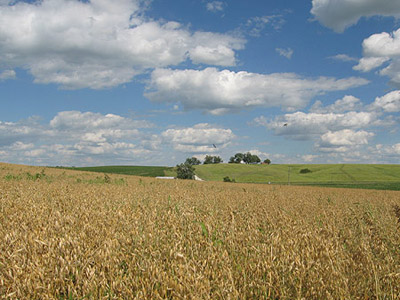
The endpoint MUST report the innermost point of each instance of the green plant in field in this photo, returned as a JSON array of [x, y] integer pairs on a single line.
[[227, 179], [204, 230], [120, 181], [107, 178], [9, 177], [305, 171]]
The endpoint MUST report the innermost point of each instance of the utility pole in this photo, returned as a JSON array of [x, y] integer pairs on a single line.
[[288, 175]]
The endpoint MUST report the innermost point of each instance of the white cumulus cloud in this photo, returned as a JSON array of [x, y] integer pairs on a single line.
[[95, 127], [7, 74], [389, 102], [74, 137], [100, 44], [382, 50], [346, 137], [215, 6], [256, 25], [340, 14], [200, 138], [285, 52], [347, 103], [309, 158], [76, 120], [391, 150], [343, 57], [219, 92], [343, 140], [302, 125]]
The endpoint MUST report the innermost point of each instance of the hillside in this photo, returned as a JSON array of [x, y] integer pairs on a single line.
[[146, 171], [321, 174], [333, 175]]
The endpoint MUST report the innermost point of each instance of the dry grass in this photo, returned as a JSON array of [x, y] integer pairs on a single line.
[[71, 235]]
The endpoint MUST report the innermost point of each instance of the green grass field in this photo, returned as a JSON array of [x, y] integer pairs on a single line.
[[147, 171], [383, 177], [335, 175]]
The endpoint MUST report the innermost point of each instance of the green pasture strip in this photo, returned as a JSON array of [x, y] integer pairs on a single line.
[[320, 173], [147, 171], [390, 186]]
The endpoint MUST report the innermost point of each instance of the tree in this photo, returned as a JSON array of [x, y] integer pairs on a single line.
[[250, 158], [237, 159], [267, 161], [247, 158], [209, 159], [192, 161], [185, 171], [217, 160]]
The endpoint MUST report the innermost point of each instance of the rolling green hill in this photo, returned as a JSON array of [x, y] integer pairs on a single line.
[[127, 170], [345, 175], [333, 175]]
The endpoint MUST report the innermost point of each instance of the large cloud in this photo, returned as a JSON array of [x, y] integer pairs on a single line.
[[340, 14], [379, 49], [7, 74], [344, 128], [200, 138], [393, 150], [219, 92], [335, 128], [347, 103], [74, 137], [343, 140], [300, 125], [100, 44], [389, 102], [95, 127], [24, 131]]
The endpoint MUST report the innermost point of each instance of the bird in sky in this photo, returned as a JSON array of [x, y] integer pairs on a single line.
[[214, 146], [285, 125]]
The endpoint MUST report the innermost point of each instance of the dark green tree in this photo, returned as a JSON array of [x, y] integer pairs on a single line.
[[267, 161], [236, 159], [250, 158], [192, 161], [217, 160], [208, 160], [185, 171]]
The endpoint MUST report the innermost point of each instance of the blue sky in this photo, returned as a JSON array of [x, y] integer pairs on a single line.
[[153, 82]]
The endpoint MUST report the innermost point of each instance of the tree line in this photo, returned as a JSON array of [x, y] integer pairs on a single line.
[[238, 158], [186, 170]]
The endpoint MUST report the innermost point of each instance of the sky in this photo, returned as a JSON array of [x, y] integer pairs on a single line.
[[153, 82]]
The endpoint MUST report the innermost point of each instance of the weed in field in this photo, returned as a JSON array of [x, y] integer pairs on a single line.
[[396, 209], [9, 177]]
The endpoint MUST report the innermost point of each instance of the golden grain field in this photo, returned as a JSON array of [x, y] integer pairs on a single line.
[[75, 235]]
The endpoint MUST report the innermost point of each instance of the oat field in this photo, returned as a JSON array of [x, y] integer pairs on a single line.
[[78, 235]]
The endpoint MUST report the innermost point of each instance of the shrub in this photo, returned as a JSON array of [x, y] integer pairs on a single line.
[[185, 171], [227, 179], [304, 171], [107, 178]]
